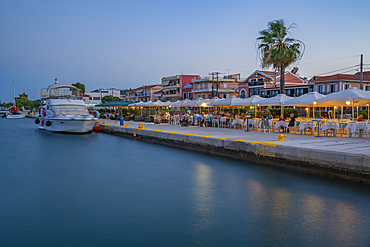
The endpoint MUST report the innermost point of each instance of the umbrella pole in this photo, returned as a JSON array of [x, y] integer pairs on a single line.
[[353, 109], [313, 111], [341, 114], [282, 110], [368, 115]]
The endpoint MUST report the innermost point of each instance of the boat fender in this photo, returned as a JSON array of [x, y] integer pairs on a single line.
[[37, 121], [96, 128], [48, 123], [42, 122]]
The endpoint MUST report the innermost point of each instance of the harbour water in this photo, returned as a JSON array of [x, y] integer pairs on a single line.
[[104, 190]]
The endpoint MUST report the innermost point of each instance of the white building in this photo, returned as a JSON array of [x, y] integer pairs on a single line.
[[96, 96]]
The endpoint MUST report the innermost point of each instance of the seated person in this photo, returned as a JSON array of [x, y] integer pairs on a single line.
[[281, 118], [291, 122], [360, 118], [200, 119]]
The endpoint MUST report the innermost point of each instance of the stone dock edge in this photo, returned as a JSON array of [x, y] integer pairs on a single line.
[[354, 167]]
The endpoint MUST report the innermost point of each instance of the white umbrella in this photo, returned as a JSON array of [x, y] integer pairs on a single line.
[[279, 99], [176, 104], [207, 102], [306, 100], [354, 95], [225, 102], [248, 101], [351, 96], [195, 103]]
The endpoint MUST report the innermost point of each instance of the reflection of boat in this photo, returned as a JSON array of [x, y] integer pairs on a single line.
[[14, 110], [64, 110]]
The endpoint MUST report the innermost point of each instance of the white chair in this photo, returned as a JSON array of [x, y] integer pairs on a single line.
[[215, 122]]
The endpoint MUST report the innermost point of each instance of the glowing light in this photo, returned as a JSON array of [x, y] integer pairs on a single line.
[[307, 109], [348, 102], [314, 102], [204, 104]]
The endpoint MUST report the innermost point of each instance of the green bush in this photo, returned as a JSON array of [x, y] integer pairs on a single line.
[[287, 111], [363, 113]]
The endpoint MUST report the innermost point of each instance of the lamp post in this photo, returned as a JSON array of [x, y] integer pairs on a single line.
[[348, 103]]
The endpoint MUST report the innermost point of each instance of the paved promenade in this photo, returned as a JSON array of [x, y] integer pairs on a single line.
[[331, 144]]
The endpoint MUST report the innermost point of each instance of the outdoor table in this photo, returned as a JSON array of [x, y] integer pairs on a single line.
[[351, 129], [318, 127], [305, 125], [330, 126], [360, 128], [281, 123], [237, 121]]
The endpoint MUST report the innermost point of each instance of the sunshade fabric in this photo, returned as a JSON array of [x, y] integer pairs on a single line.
[[225, 102], [248, 101], [279, 99], [305, 100], [353, 95]]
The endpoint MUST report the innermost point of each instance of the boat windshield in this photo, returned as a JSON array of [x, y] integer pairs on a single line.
[[70, 111]]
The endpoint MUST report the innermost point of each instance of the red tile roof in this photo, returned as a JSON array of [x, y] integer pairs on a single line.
[[342, 77], [143, 87]]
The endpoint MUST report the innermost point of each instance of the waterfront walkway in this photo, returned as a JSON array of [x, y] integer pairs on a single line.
[[346, 145]]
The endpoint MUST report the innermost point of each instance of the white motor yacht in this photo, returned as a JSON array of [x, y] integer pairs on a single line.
[[64, 110]]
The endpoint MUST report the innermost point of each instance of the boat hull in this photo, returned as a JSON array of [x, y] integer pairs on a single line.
[[73, 126], [11, 116]]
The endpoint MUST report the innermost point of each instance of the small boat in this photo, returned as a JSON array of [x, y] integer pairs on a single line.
[[63, 110], [13, 113]]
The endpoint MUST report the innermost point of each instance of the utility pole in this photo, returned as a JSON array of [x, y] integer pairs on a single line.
[[361, 73], [213, 93]]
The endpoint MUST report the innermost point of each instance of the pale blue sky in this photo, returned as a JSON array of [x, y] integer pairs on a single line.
[[127, 44]]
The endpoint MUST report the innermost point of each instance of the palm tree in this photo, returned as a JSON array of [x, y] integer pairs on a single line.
[[277, 49]]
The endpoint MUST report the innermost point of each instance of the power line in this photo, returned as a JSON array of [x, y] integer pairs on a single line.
[[329, 60]]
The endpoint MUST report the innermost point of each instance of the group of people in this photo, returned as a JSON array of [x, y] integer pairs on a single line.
[[291, 121]]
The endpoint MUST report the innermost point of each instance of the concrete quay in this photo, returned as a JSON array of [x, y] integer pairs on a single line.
[[342, 157]]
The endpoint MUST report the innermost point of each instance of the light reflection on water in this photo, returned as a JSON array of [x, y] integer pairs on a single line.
[[102, 190]]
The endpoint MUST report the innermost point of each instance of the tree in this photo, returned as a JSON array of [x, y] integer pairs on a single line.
[[23, 100], [108, 98], [277, 49], [80, 86]]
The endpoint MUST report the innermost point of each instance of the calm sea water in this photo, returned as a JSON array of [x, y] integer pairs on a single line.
[[103, 190]]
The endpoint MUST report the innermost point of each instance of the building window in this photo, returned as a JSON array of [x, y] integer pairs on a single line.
[[184, 96], [225, 85], [242, 94], [198, 96], [203, 96], [190, 95], [320, 89], [96, 98], [90, 98], [198, 86], [367, 88], [346, 86]]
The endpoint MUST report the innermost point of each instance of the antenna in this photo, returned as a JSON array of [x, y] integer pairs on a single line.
[[56, 80]]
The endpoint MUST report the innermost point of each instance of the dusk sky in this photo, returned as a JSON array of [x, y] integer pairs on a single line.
[[126, 44]]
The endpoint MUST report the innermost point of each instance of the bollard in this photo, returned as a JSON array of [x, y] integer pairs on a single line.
[[134, 132], [126, 125], [115, 124], [281, 137], [104, 122]]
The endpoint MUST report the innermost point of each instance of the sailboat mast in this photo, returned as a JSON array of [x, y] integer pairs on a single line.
[[13, 95]]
